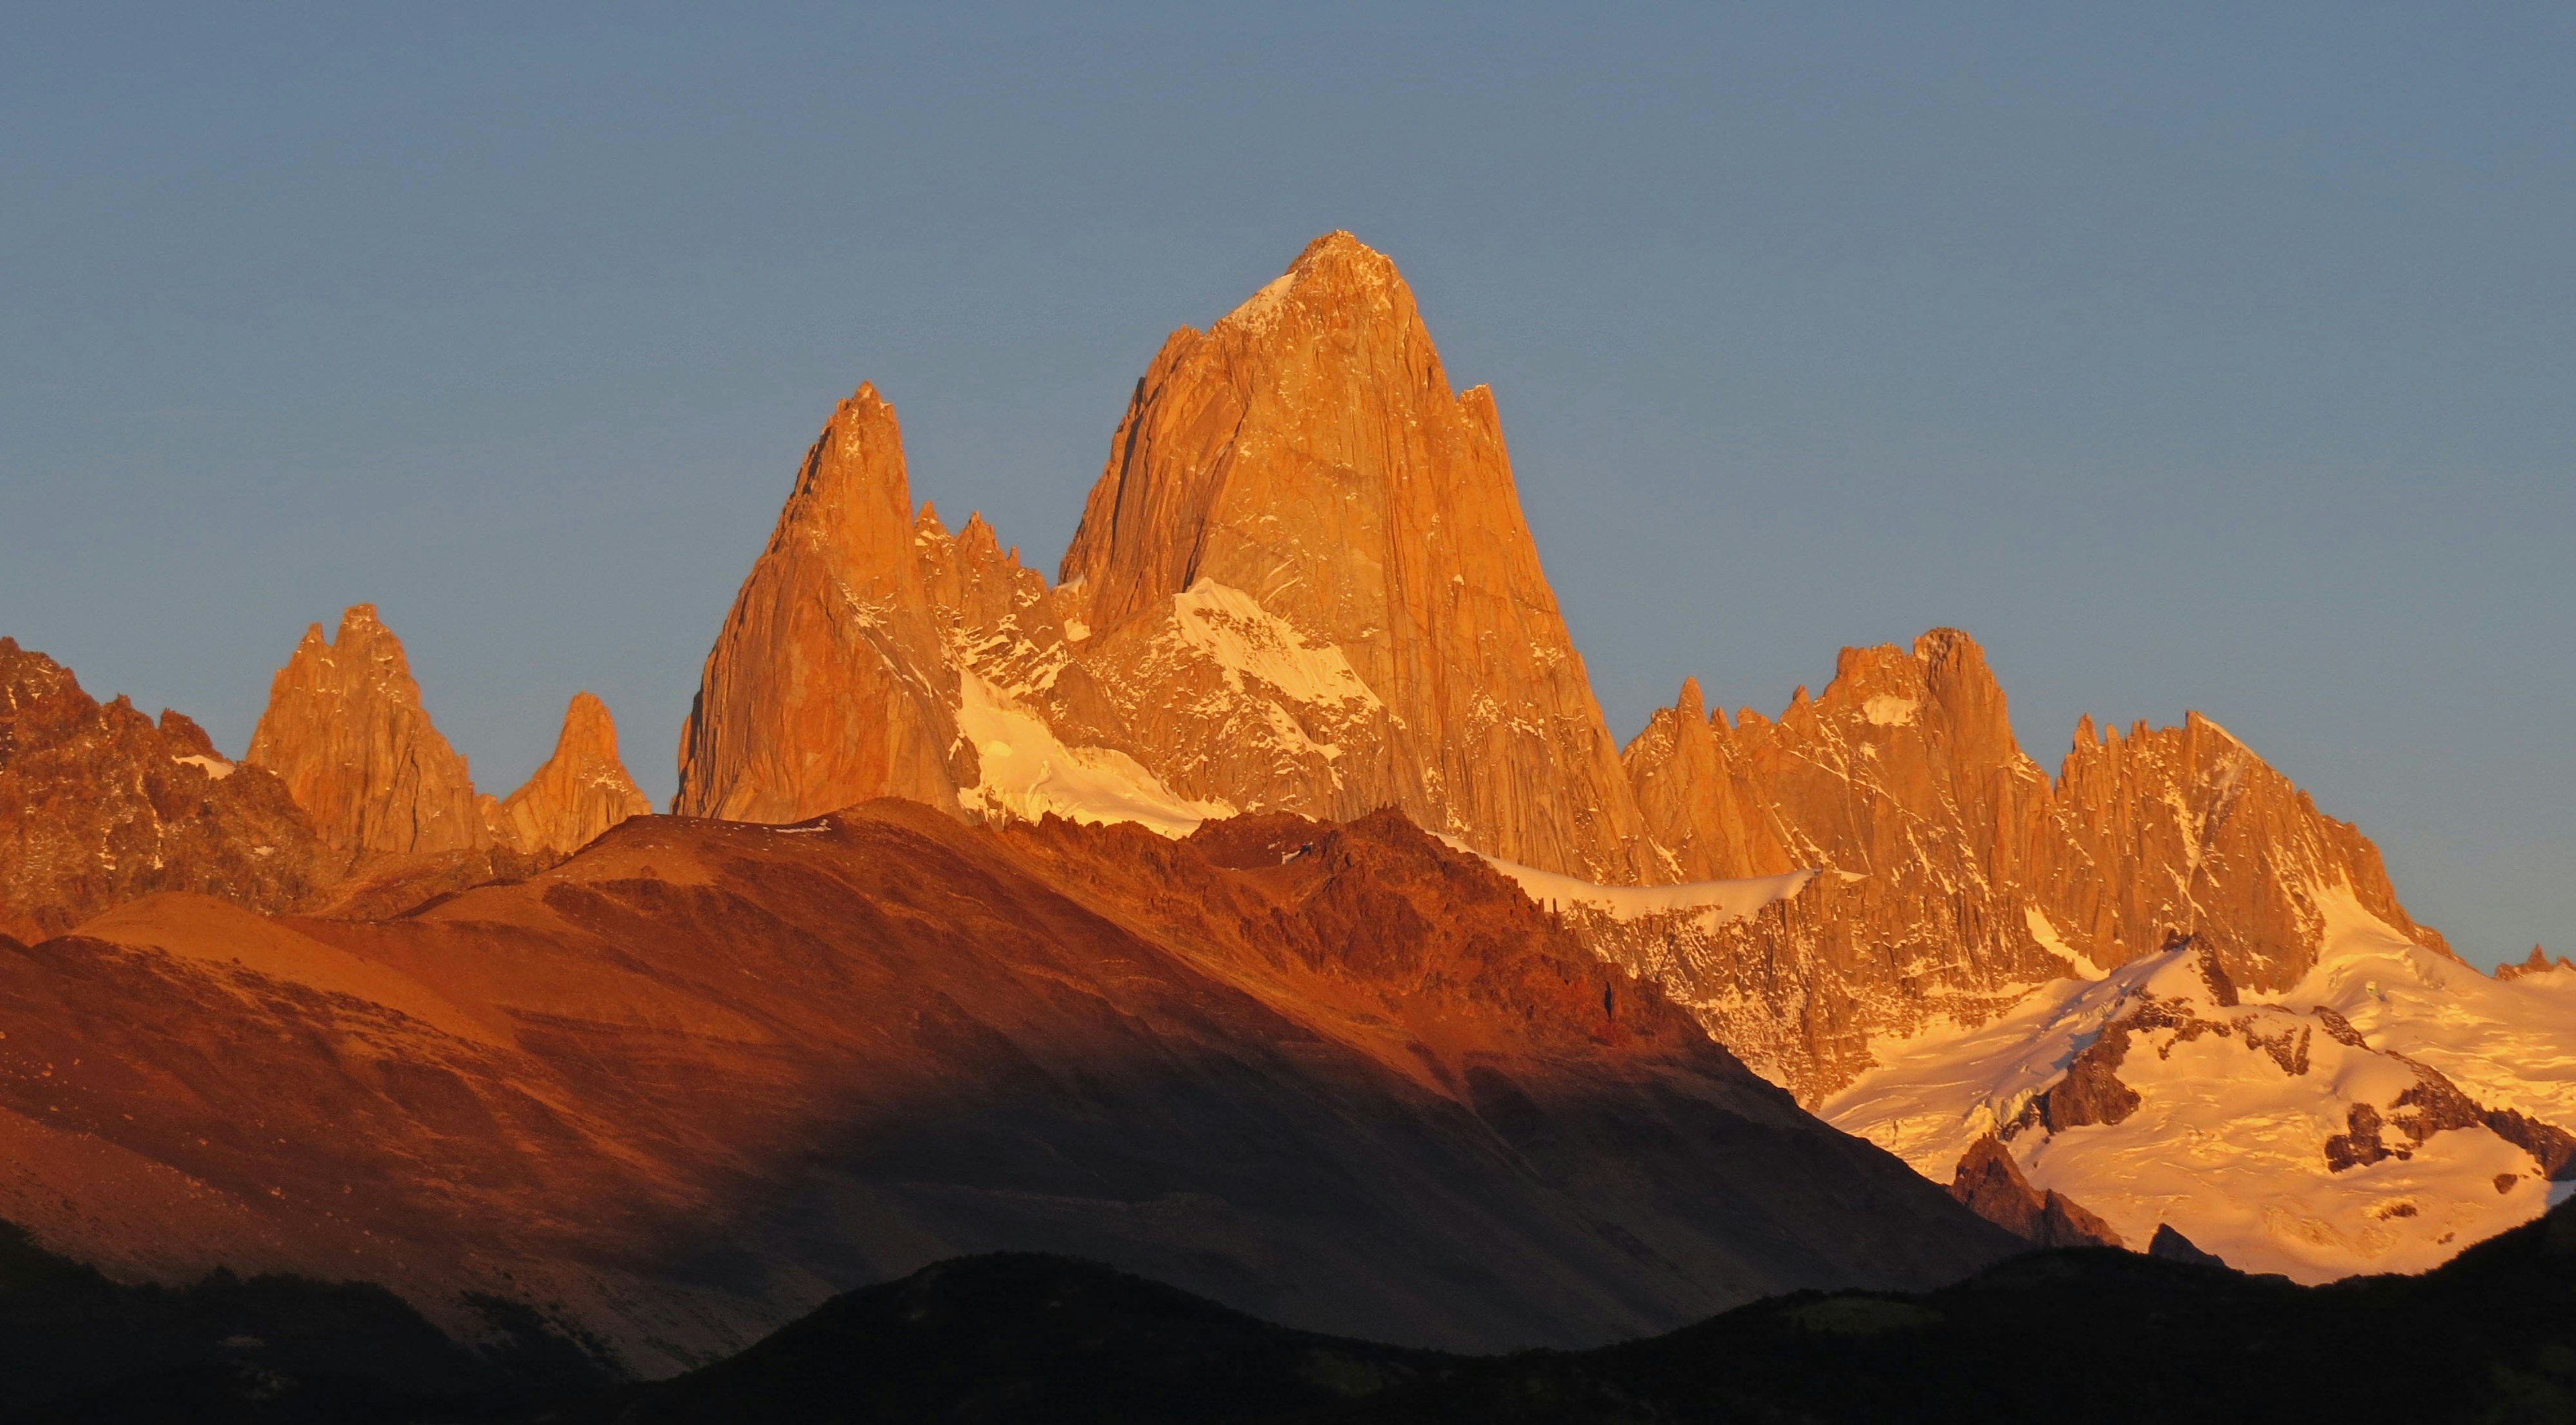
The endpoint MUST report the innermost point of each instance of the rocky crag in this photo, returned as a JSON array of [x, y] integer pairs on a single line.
[[581, 791], [1303, 583], [1955, 874], [100, 805], [1990, 1184], [345, 731], [349, 798], [394, 803]]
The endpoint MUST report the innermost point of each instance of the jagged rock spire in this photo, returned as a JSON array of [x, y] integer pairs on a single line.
[[828, 684], [581, 791], [346, 731], [1308, 452]]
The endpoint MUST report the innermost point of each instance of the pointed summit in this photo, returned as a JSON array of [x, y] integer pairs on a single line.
[[1307, 455], [346, 731], [582, 790], [827, 685]]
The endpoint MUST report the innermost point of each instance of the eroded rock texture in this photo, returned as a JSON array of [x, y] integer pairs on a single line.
[[581, 791], [99, 805], [1957, 873], [1303, 583], [346, 732]]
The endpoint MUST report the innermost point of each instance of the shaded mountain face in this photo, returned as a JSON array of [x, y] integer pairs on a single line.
[[99, 805], [700, 1076], [1303, 584], [1957, 874]]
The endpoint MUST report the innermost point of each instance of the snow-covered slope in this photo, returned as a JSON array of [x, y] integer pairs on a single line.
[[2388, 1110]]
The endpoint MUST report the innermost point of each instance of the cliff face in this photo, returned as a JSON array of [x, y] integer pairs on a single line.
[[581, 791], [829, 683], [2184, 830], [98, 806], [1959, 875], [1303, 583], [1303, 525], [346, 732]]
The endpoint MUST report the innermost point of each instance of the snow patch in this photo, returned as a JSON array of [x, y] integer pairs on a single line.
[[1714, 903], [1888, 710], [2044, 931], [1028, 772], [214, 767], [1262, 307], [1231, 628]]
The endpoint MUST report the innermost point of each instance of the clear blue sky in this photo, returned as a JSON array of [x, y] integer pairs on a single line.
[[2218, 357]]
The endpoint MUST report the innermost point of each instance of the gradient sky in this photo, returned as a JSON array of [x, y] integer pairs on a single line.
[[2216, 357]]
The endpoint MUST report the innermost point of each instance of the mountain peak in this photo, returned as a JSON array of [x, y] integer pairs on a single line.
[[346, 731], [581, 791], [1308, 453]]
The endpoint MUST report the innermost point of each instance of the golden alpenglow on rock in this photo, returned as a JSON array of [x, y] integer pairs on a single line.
[[581, 791], [346, 732], [1299, 505], [1958, 873], [829, 684], [1303, 583]]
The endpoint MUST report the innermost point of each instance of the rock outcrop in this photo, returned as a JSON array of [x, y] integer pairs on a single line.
[[1989, 1183], [1301, 522], [2538, 964], [581, 791], [98, 805], [1956, 874], [346, 732], [830, 683]]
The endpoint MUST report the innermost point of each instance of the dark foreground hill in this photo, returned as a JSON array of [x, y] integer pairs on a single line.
[[2072, 1334], [2077, 1334]]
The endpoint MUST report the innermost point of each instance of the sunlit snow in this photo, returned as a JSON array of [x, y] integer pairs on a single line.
[[1028, 773], [2226, 1144]]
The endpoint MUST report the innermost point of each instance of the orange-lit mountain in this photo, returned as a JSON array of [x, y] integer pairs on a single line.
[[1959, 875], [1336, 1071], [1303, 583], [703, 1074]]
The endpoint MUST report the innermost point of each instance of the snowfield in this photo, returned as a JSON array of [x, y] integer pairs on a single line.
[[2226, 1142]]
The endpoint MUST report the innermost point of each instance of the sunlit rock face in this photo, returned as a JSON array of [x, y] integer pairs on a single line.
[[346, 732], [830, 682], [1303, 583], [581, 791], [99, 805], [1303, 525], [1956, 875]]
